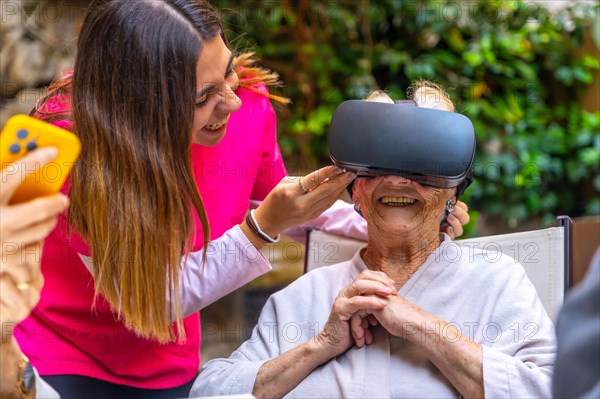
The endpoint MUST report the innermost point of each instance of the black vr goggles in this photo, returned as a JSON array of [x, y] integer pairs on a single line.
[[435, 148]]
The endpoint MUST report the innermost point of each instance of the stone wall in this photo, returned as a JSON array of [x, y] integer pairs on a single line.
[[38, 43]]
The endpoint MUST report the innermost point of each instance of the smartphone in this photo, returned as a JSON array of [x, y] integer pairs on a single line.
[[23, 134]]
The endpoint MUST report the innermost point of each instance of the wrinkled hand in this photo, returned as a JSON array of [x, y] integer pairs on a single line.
[[364, 295], [22, 230], [400, 317], [289, 205], [456, 220], [397, 317], [21, 282]]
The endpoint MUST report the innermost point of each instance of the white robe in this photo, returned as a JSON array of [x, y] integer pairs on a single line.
[[492, 303]]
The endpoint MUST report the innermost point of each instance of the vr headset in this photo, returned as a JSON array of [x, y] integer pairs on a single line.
[[435, 148]]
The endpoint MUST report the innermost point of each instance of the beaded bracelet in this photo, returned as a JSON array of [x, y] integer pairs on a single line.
[[254, 226]]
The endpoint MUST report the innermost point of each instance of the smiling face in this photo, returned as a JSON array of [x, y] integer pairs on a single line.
[[393, 205], [215, 98]]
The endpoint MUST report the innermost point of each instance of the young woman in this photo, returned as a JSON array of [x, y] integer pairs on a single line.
[[126, 266]]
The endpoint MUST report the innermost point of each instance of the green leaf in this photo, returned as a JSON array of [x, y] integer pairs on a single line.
[[526, 71], [456, 41], [473, 58], [564, 75], [583, 76], [589, 61], [590, 156]]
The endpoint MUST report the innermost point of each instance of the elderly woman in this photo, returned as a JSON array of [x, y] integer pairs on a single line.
[[411, 315]]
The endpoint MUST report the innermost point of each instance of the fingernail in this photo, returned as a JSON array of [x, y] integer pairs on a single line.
[[49, 152], [337, 171], [351, 176], [44, 155], [451, 217], [450, 231]]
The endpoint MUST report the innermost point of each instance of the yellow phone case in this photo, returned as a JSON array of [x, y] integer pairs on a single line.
[[22, 134]]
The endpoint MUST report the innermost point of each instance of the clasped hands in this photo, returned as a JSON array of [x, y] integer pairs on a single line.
[[369, 300]]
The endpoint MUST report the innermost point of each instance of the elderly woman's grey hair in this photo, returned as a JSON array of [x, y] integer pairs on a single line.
[[424, 93]]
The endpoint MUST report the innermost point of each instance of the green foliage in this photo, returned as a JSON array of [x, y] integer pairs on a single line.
[[511, 66]]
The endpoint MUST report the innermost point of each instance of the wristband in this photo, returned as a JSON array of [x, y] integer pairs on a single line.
[[255, 227]]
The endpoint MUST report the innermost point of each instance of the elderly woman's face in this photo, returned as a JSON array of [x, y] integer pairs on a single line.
[[393, 204]]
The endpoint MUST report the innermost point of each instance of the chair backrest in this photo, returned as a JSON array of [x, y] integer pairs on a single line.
[[545, 254]]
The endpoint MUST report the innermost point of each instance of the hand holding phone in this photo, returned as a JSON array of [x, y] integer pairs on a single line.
[[23, 134], [23, 228]]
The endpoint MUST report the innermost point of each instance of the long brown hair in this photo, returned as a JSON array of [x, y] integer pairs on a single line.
[[133, 191]]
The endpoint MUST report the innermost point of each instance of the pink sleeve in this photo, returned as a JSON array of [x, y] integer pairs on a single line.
[[272, 168], [340, 219]]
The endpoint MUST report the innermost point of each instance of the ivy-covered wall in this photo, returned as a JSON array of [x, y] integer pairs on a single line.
[[514, 67]]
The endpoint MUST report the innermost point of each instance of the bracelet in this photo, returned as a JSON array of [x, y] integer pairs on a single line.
[[26, 379], [254, 226], [257, 233]]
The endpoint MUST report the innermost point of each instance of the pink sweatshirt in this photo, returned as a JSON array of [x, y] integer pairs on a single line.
[[65, 336]]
